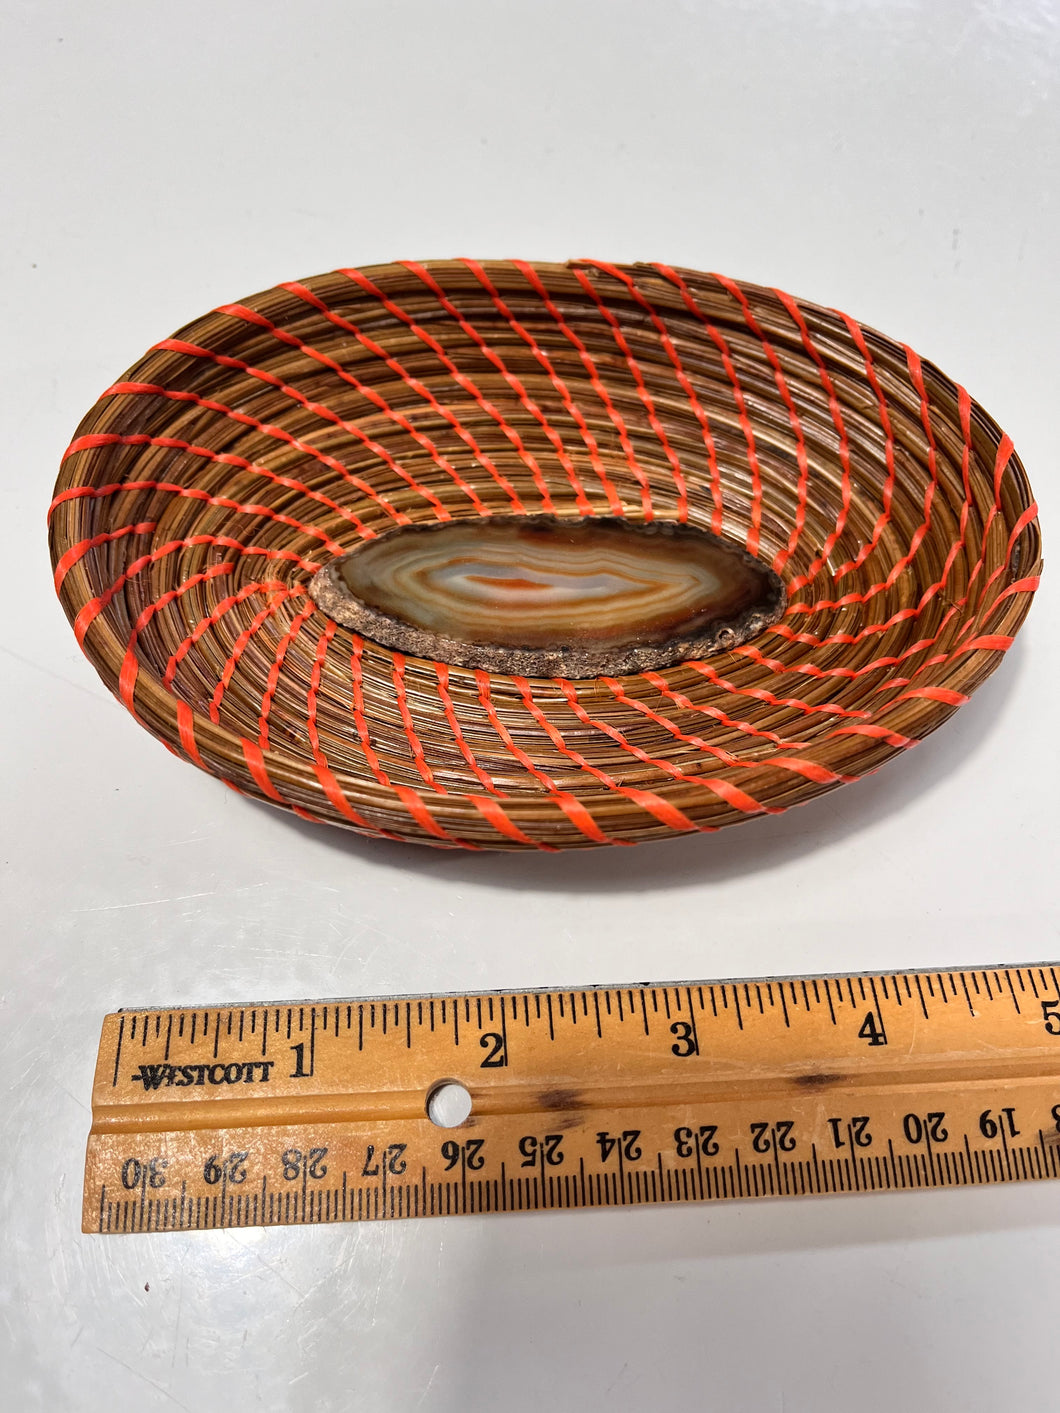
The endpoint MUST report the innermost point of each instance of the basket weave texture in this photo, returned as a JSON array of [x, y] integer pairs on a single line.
[[206, 487]]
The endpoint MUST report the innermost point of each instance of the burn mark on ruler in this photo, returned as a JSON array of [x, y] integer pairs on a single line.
[[560, 1099], [817, 1079]]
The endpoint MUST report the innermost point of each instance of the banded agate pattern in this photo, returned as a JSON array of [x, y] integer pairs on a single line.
[[549, 596]]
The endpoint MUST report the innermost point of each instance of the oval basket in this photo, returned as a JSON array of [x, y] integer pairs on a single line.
[[206, 487]]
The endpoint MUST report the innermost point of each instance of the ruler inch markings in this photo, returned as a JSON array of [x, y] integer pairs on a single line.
[[718, 1090]]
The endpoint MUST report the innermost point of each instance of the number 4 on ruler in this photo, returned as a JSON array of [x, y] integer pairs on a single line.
[[872, 1030]]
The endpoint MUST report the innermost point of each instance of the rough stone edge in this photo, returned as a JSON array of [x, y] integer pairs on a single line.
[[332, 597]]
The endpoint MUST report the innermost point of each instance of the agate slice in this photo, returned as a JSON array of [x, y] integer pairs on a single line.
[[548, 596]]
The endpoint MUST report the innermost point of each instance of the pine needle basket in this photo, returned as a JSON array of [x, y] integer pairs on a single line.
[[205, 488]]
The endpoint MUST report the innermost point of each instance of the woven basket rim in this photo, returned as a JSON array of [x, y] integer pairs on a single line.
[[180, 722]]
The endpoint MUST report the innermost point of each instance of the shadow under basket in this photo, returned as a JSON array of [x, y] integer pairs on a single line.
[[208, 489]]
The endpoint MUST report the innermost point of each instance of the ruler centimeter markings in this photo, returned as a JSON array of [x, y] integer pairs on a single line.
[[308, 1112]]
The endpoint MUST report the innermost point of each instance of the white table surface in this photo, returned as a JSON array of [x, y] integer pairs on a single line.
[[896, 158]]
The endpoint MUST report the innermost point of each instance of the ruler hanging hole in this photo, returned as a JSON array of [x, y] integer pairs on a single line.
[[448, 1103]]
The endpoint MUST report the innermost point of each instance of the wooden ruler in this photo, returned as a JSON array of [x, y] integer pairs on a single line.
[[318, 1111]]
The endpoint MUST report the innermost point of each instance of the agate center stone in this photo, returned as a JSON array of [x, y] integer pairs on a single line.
[[547, 596]]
